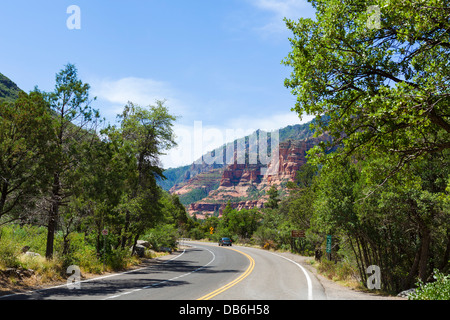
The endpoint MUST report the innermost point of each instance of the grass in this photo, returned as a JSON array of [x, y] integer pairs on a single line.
[[19, 271], [341, 272]]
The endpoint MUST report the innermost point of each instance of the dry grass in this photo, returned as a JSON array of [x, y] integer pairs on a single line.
[[49, 273], [340, 272], [34, 272]]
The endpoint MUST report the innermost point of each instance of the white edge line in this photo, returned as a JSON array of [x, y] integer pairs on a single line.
[[308, 279], [88, 280], [168, 280]]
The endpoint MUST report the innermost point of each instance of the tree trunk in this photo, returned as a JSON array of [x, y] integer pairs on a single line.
[[4, 193], [125, 230], [409, 279], [362, 269], [424, 254], [136, 238], [51, 228], [444, 264], [53, 216]]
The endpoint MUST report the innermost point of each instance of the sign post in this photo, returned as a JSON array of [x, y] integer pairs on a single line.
[[104, 233], [329, 237], [296, 234]]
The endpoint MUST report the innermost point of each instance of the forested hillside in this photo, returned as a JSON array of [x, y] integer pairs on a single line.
[[69, 184], [9, 91]]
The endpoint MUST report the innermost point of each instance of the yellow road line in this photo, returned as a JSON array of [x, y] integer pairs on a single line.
[[234, 282]]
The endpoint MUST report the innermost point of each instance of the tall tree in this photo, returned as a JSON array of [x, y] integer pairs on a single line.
[[148, 133], [73, 120], [24, 129], [273, 198], [384, 85]]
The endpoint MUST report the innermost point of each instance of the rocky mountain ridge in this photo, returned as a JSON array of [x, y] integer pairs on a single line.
[[244, 185]]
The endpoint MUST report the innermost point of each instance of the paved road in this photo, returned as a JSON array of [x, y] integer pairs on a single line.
[[275, 277], [201, 271]]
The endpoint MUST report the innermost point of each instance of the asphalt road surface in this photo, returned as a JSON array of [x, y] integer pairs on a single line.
[[202, 271]]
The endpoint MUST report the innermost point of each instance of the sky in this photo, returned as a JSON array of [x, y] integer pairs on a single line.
[[217, 63]]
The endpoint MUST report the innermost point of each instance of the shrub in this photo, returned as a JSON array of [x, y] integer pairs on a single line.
[[119, 259], [341, 270], [9, 254], [437, 290], [164, 236]]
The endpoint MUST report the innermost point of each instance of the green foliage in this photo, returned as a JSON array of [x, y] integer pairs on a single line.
[[24, 130], [437, 290], [65, 182], [172, 176], [163, 236], [273, 197], [81, 253], [193, 196], [382, 88], [9, 253], [9, 91], [383, 194]]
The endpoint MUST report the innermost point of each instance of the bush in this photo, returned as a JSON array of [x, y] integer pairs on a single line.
[[119, 259], [82, 254], [164, 236], [437, 290], [341, 270], [9, 254], [196, 234]]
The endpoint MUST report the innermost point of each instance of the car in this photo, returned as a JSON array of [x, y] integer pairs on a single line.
[[225, 242]]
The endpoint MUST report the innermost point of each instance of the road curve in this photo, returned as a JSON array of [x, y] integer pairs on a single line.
[[274, 277], [201, 271]]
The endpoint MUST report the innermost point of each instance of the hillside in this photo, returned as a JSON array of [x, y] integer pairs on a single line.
[[9, 91], [177, 177], [205, 189]]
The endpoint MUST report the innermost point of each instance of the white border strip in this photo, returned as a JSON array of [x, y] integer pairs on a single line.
[[168, 280], [88, 280], [308, 279]]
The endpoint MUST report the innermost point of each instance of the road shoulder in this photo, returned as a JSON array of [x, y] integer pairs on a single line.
[[20, 287], [334, 290]]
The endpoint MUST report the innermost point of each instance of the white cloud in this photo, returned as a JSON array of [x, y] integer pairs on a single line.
[[280, 9], [197, 139], [142, 91], [268, 122]]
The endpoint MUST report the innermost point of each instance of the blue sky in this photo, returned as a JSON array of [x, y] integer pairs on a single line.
[[217, 62]]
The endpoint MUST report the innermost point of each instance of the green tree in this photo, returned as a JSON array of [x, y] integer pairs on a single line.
[[24, 129], [403, 227], [73, 121], [147, 133], [273, 198], [173, 211], [242, 223], [385, 88]]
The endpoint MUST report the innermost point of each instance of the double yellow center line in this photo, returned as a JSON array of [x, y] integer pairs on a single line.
[[234, 282]]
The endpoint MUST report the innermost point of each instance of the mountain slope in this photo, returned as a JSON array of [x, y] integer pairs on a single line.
[[206, 188], [9, 91], [177, 177]]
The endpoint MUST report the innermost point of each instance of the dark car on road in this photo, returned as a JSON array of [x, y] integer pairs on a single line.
[[225, 242]]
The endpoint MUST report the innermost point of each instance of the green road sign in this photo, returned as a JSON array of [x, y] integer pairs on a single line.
[[328, 243]]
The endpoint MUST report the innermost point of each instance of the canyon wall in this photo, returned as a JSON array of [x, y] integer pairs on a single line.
[[245, 185]]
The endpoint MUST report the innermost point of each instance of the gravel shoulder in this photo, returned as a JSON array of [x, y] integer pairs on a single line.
[[334, 290]]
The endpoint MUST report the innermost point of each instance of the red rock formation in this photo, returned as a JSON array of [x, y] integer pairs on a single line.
[[203, 209], [240, 173], [239, 179]]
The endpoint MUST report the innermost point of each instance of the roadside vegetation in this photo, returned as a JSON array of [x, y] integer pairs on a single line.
[[75, 191], [78, 192], [381, 188]]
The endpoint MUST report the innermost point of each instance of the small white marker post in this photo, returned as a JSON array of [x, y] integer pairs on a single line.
[[104, 233]]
